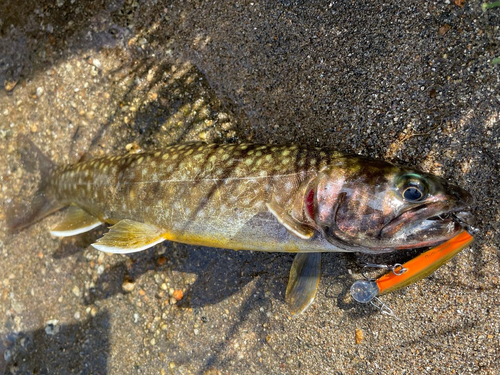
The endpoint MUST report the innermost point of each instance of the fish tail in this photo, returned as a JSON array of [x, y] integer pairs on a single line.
[[20, 213]]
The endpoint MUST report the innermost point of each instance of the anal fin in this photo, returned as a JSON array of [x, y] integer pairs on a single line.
[[128, 236], [300, 230], [303, 282], [75, 222]]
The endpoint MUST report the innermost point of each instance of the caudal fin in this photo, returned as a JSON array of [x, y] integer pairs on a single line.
[[21, 214]]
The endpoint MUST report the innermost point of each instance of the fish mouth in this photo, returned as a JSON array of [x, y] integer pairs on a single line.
[[427, 225]]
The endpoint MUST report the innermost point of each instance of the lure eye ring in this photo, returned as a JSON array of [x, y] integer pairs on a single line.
[[413, 194]]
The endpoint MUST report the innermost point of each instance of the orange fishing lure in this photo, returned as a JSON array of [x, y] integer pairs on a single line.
[[412, 271]]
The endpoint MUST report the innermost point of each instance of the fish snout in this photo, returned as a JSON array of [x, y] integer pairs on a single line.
[[463, 197]]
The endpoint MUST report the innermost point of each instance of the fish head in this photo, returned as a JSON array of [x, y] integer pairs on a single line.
[[373, 206]]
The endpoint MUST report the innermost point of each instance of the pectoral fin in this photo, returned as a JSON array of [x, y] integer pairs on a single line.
[[303, 281], [129, 236], [75, 222], [303, 231]]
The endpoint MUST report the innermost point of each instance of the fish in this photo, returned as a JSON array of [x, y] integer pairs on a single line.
[[279, 198]]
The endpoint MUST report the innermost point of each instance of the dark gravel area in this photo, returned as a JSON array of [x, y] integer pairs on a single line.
[[404, 81]]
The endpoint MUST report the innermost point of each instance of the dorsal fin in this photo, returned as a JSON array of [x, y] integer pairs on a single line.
[[129, 236]]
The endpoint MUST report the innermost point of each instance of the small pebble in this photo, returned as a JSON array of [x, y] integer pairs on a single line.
[[164, 286], [96, 63], [77, 315], [76, 291], [359, 336], [51, 327], [178, 294], [128, 286], [39, 91], [10, 83]]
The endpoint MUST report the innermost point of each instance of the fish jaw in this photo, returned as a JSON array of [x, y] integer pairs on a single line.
[[431, 223]]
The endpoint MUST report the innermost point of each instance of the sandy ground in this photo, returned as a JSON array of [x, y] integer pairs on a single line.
[[397, 80]]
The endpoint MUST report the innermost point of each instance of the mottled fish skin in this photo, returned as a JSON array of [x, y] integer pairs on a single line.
[[203, 194], [265, 197]]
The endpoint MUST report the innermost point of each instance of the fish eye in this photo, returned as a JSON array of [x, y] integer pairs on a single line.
[[412, 194], [413, 187]]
